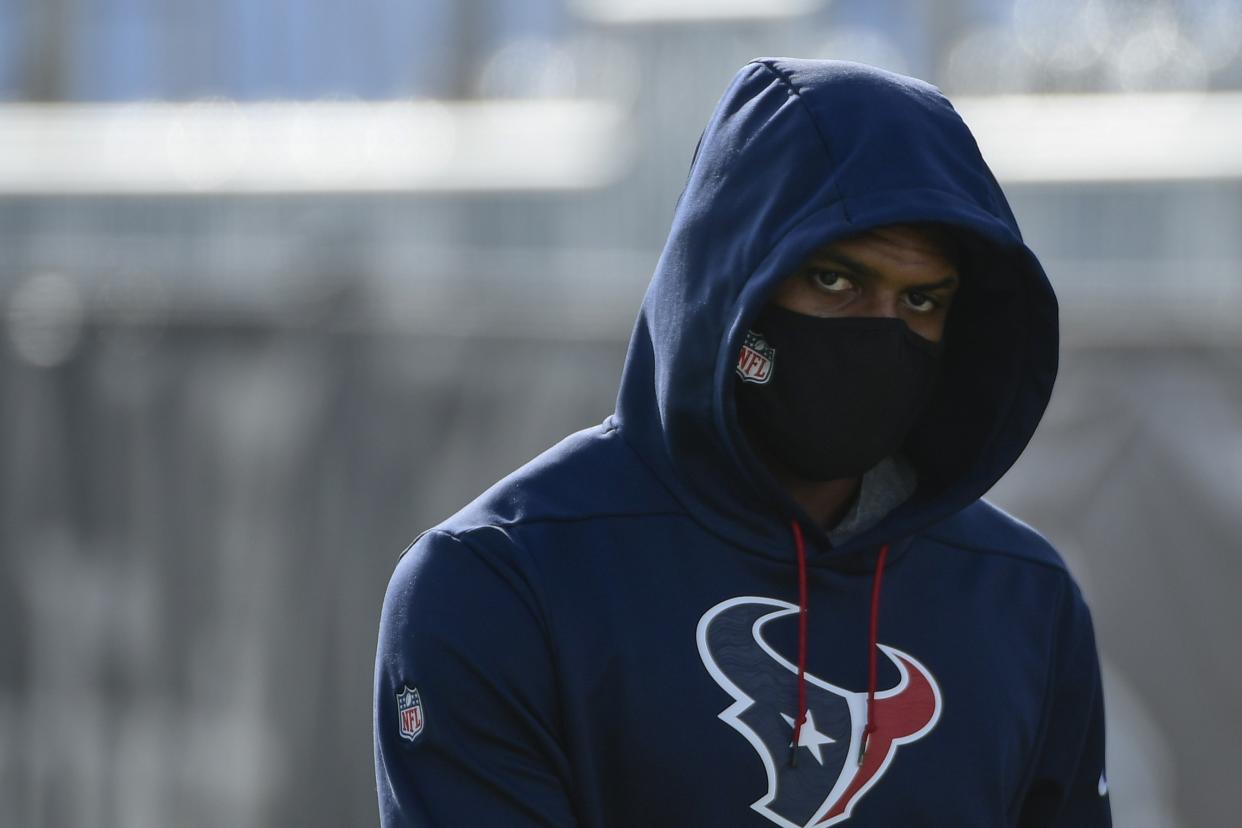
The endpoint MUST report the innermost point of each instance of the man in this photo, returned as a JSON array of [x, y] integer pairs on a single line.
[[766, 591]]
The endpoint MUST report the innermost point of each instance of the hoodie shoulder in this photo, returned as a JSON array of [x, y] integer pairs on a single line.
[[984, 527], [590, 474]]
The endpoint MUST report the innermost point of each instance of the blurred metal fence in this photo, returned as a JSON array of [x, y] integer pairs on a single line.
[[198, 525]]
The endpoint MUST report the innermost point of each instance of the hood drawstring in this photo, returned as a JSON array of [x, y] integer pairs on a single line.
[[877, 580], [797, 734], [872, 648]]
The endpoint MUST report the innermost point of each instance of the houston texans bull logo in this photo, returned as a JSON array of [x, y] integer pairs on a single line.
[[828, 780]]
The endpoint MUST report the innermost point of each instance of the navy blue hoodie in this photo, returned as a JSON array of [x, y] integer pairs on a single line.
[[613, 635]]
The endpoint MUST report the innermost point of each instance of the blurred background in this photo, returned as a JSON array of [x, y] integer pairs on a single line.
[[282, 284]]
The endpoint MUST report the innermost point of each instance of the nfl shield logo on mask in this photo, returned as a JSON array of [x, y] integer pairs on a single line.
[[756, 360], [409, 713]]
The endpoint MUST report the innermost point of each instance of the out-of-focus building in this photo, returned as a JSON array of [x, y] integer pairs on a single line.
[[280, 288]]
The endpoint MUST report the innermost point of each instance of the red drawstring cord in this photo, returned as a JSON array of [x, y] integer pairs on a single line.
[[800, 545], [872, 648]]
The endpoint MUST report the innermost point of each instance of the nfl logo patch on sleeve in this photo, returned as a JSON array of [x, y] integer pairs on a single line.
[[409, 713]]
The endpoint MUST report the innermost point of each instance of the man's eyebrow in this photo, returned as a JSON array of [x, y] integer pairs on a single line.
[[946, 282], [858, 267], [841, 258]]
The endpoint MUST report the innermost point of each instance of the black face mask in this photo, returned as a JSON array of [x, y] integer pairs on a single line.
[[830, 397]]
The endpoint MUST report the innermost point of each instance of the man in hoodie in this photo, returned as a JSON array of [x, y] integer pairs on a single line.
[[766, 589]]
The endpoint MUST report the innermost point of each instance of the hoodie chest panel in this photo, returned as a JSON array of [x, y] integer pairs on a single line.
[[678, 688]]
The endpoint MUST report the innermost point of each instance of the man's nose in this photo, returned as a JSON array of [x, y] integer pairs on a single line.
[[884, 304]]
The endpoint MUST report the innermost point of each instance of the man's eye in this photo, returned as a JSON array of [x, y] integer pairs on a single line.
[[831, 281], [921, 302]]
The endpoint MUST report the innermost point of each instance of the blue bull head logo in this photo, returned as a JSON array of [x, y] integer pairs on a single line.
[[828, 779]]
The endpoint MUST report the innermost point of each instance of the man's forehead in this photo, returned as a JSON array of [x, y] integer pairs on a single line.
[[927, 239]]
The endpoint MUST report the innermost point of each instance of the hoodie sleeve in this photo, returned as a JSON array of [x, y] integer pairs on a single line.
[[465, 720], [1068, 785]]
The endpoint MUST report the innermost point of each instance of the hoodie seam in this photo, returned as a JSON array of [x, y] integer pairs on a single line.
[[642, 461], [787, 80], [956, 197], [680, 499], [532, 582], [999, 553], [502, 524], [1045, 712]]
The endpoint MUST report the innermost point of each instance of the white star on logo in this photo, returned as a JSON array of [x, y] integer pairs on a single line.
[[809, 737]]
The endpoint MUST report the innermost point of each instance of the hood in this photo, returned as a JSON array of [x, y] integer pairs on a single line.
[[799, 153]]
